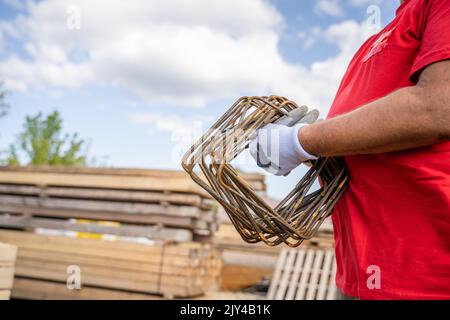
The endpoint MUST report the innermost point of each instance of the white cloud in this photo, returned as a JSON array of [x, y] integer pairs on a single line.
[[360, 3], [328, 7], [179, 52], [182, 131], [174, 124]]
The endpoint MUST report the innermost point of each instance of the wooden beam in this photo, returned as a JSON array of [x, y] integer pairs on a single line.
[[101, 181], [115, 171], [25, 288], [5, 294], [169, 221], [108, 206], [98, 247], [134, 175], [151, 232], [107, 194]]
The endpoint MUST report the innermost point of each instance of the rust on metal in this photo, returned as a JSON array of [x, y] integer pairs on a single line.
[[299, 215]]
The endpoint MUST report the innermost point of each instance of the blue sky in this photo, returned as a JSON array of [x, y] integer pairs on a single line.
[[137, 79]]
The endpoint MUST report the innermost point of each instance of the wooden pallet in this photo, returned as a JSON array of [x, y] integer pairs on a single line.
[[7, 260], [304, 274], [183, 270]]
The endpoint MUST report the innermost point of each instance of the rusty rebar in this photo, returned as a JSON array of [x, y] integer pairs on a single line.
[[299, 215]]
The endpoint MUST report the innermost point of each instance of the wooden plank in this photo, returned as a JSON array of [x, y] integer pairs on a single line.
[[151, 258], [7, 261], [6, 277], [181, 222], [25, 288], [325, 275], [54, 270], [97, 247], [286, 275], [301, 291], [154, 263], [290, 295], [277, 275], [177, 286], [108, 206], [97, 171], [248, 259], [106, 194], [152, 232], [101, 181], [115, 171], [174, 267], [162, 262], [255, 180], [99, 280], [8, 254], [5, 294], [313, 282], [331, 294]]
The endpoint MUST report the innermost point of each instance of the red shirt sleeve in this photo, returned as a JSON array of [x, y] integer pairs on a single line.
[[435, 45]]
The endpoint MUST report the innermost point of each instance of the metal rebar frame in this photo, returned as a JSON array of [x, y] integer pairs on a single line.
[[299, 215]]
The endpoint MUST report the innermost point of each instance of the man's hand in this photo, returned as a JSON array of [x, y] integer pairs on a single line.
[[277, 148]]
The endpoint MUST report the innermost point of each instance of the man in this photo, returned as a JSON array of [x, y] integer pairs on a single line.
[[391, 121]]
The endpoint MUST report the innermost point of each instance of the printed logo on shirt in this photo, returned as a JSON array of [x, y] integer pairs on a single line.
[[378, 45]]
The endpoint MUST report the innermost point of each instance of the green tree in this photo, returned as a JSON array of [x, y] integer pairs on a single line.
[[43, 143], [4, 107]]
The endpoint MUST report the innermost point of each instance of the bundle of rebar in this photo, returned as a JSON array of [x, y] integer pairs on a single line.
[[299, 215]]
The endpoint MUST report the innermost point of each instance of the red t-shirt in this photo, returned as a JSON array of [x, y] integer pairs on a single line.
[[394, 218]]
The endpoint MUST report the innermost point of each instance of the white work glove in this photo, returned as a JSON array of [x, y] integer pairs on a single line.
[[278, 150]]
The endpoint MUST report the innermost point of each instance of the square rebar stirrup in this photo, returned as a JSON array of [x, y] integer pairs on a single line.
[[301, 212]]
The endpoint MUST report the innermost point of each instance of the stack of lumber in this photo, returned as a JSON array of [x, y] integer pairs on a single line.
[[157, 204], [7, 260], [304, 274], [110, 269], [245, 264]]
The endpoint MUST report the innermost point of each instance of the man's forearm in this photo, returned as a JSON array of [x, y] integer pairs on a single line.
[[408, 118]]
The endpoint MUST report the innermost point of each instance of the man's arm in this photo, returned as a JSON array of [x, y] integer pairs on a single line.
[[407, 118]]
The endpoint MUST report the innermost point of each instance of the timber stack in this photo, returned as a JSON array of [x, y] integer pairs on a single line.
[[155, 204], [130, 232], [60, 267], [7, 260]]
